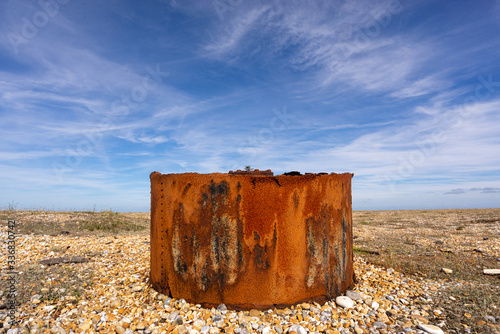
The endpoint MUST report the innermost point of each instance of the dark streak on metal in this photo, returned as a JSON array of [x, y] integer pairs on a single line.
[[277, 181], [344, 247], [261, 258]]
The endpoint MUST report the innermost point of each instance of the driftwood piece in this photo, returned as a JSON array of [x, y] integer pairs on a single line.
[[64, 259]]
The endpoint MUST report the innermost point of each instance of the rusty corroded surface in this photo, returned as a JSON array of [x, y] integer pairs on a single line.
[[251, 241], [254, 172]]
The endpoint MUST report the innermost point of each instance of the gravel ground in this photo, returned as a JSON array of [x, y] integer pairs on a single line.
[[111, 293], [118, 298]]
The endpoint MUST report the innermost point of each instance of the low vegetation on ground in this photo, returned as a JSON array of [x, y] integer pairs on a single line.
[[418, 243], [422, 242]]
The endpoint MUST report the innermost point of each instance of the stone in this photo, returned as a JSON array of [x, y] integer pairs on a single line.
[[379, 324], [447, 270], [266, 330], [48, 308], [199, 323], [375, 306], [57, 330], [36, 296], [491, 271], [326, 313], [296, 329], [137, 288], [383, 318], [125, 322], [85, 325], [353, 295], [430, 329], [119, 329], [218, 318], [344, 302], [204, 329], [222, 308], [420, 319], [254, 313], [408, 323], [173, 315], [489, 318]]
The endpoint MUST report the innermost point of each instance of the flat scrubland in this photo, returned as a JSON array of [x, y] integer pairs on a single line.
[[418, 243], [422, 242]]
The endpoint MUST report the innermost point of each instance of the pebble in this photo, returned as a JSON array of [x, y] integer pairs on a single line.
[[296, 329], [255, 313], [344, 301], [353, 295], [137, 288], [218, 318], [57, 330], [173, 315], [491, 271], [447, 270], [375, 306], [430, 329], [36, 297], [199, 323], [222, 308], [489, 318], [379, 324], [119, 329], [266, 330]]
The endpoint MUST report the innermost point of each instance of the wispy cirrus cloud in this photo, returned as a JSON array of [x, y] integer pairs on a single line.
[[485, 190]]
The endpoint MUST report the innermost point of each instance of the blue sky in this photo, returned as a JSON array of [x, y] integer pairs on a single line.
[[95, 95]]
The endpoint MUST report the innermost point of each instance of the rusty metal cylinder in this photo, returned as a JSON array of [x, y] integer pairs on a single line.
[[251, 240]]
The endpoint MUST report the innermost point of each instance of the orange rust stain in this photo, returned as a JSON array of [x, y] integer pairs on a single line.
[[250, 240]]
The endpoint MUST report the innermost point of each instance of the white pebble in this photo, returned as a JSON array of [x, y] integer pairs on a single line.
[[430, 329], [344, 301], [491, 271], [375, 306], [298, 329], [266, 330]]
